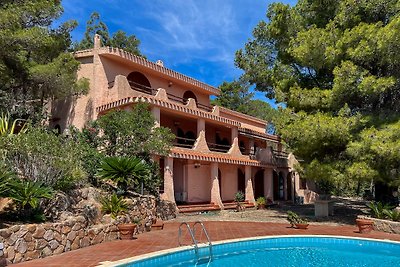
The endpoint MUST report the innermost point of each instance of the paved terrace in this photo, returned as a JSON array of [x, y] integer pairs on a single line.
[[167, 238]]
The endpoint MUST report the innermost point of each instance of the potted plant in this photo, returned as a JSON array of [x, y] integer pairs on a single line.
[[296, 221], [115, 206], [364, 225], [239, 197], [261, 202]]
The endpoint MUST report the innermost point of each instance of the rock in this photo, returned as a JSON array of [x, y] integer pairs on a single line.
[[12, 239], [76, 227], [28, 237], [85, 242], [31, 228], [98, 239], [65, 229], [81, 233], [58, 237], [30, 255], [39, 233], [46, 252], [5, 233], [71, 236], [68, 245], [48, 235], [10, 253], [58, 250], [53, 244], [40, 243], [81, 219], [22, 232], [15, 228], [31, 246], [91, 234], [76, 243], [18, 257], [21, 246]]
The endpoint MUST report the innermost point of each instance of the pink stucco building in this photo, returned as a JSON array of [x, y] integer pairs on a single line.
[[217, 151]]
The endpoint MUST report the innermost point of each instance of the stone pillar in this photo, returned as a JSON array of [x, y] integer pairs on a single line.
[[269, 183], [155, 111], [215, 192], [201, 126], [249, 194], [168, 180], [251, 146], [234, 134], [235, 149]]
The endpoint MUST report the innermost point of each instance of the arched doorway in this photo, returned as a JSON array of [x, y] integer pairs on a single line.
[[289, 185], [259, 184], [139, 81], [187, 95], [241, 183]]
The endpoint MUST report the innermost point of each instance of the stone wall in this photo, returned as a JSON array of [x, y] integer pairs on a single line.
[[384, 225], [78, 225]]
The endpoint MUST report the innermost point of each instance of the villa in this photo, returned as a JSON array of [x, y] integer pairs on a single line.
[[217, 151]]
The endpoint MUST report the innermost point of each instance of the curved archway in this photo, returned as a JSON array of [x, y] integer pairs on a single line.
[[139, 81], [187, 95]]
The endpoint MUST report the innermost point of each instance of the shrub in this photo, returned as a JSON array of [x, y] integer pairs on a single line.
[[293, 218], [125, 172], [113, 205], [378, 208], [393, 215], [239, 196], [261, 201], [6, 176]]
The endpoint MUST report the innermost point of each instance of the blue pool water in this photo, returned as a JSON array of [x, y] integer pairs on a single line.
[[286, 251]]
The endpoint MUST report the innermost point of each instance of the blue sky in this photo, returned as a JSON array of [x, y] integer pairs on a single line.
[[195, 37]]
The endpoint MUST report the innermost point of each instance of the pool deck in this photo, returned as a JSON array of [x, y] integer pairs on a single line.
[[168, 238]]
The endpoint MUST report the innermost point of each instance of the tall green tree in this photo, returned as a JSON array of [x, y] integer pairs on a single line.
[[335, 64], [34, 65], [119, 39]]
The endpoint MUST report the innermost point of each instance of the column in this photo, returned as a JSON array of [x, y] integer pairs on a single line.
[[215, 192], [201, 126], [269, 183], [285, 192], [155, 111], [249, 194], [168, 180], [251, 147], [201, 142]]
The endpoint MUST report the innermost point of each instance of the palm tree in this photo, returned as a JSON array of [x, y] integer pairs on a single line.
[[124, 171]]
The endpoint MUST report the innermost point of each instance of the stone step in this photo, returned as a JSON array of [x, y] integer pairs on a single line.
[[198, 208]]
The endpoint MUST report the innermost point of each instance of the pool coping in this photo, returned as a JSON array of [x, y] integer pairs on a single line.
[[184, 248]]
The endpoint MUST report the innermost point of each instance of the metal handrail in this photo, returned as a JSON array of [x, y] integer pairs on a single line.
[[191, 235], [205, 233]]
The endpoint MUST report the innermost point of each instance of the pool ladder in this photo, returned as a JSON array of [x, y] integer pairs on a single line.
[[192, 232]]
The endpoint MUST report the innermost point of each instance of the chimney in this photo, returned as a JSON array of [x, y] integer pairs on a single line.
[[160, 63], [97, 41]]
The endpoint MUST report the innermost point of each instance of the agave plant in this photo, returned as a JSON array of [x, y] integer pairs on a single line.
[[124, 171], [6, 177], [27, 194], [378, 208], [394, 215], [7, 127], [113, 205]]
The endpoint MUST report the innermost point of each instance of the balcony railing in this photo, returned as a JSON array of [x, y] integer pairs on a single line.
[[218, 147], [184, 142], [152, 91]]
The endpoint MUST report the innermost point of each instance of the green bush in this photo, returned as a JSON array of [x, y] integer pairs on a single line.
[[377, 209], [393, 215], [261, 201], [293, 218], [27, 194], [125, 172], [239, 196], [113, 205], [6, 176]]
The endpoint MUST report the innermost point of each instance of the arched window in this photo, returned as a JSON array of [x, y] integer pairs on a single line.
[[189, 94], [139, 82]]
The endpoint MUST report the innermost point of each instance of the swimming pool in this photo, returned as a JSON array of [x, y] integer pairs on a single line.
[[284, 251]]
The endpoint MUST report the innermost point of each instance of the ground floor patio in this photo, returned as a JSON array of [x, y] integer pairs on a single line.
[[168, 238]]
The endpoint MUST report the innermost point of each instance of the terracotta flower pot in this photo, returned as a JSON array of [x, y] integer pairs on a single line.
[[126, 230], [301, 225], [364, 225], [261, 206]]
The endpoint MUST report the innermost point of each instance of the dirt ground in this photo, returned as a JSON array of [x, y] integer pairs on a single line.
[[345, 213]]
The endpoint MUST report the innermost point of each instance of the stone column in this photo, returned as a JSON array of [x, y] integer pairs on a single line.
[[235, 149], [201, 142], [201, 126], [215, 192], [249, 194], [155, 111], [269, 183], [168, 180]]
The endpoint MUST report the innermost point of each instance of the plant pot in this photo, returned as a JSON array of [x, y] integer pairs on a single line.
[[364, 225], [126, 230], [260, 206], [301, 225]]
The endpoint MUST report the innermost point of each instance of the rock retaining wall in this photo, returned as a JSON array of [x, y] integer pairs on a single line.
[[384, 225], [74, 230]]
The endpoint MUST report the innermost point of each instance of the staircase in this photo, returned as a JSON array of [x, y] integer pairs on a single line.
[[232, 205], [197, 208]]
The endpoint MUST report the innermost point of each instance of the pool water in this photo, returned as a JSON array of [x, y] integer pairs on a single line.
[[285, 251]]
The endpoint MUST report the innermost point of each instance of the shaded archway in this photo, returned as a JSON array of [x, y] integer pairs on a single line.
[[275, 179], [241, 185], [289, 185], [139, 82], [259, 184], [189, 94], [281, 186]]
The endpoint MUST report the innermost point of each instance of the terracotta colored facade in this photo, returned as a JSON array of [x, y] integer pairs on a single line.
[[217, 151]]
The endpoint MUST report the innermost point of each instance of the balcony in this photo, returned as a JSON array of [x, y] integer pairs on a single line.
[[218, 147], [184, 142], [151, 91]]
